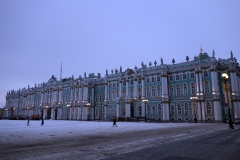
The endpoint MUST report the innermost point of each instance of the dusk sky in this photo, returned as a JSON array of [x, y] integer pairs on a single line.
[[95, 35]]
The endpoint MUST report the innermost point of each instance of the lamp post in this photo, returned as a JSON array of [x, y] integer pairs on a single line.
[[145, 101], [226, 88], [194, 98]]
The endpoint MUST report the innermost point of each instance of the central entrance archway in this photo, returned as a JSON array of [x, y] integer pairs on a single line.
[[131, 110]]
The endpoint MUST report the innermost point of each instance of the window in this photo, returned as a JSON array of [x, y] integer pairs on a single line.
[[172, 109], [184, 76], [184, 89], [154, 110], [153, 79], [140, 110], [139, 92], [124, 83], [139, 81], [124, 93], [205, 73], [178, 90], [96, 98], [148, 110], [179, 109], [109, 95], [109, 85], [209, 108], [177, 77], [147, 80], [158, 78], [113, 84], [186, 108], [153, 91], [117, 84], [131, 93], [171, 90], [113, 95], [159, 109], [171, 78], [100, 98], [206, 87], [117, 93], [192, 75], [193, 90], [158, 90], [148, 92], [131, 81], [123, 111]]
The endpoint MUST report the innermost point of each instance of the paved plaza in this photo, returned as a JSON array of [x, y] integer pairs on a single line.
[[130, 140]]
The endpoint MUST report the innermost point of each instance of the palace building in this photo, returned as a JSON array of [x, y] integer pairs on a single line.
[[175, 92]]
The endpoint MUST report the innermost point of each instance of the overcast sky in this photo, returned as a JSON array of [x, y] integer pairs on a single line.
[[92, 36]]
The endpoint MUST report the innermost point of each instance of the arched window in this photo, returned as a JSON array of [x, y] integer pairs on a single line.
[[177, 90], [131, 92], [184, 89], [206, 87], [131, 81], [139, 92], [109, 95], [159, 109], [139, 81], [124, 93], [148, 110], [193, 89], [113, 95], [148, 92], [158, 90], [140, 110], [153, 79], [172, 109], [153, 91], [171, 90], [179, 109], [154, 110], [123, 111], [147, 79], [158, 78], [209, 108], [186, 108]]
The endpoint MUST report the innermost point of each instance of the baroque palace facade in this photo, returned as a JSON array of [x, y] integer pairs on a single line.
[[162, 92]]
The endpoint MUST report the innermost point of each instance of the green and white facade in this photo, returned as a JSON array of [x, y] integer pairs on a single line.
[[119, 94]]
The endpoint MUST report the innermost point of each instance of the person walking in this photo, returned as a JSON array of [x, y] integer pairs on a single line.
[[114, 122], [42, 122], [28, 121]]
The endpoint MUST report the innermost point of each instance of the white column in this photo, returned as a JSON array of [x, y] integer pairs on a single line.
[[197, 82], [203, 111], [135, 87], [79, 113], [200, 82], [75, 98], [106, 88], [71, 99], [93, 98], [127, 88], [120, 89], [199, 111], [143, 87], [127, 110], [70, 114], [117, 111]]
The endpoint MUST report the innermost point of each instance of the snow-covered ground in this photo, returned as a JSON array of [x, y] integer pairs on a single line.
[[92, 139]]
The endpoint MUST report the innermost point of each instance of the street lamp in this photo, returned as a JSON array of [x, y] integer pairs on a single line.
[[194, 99], [145, 101], [226, 88]]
